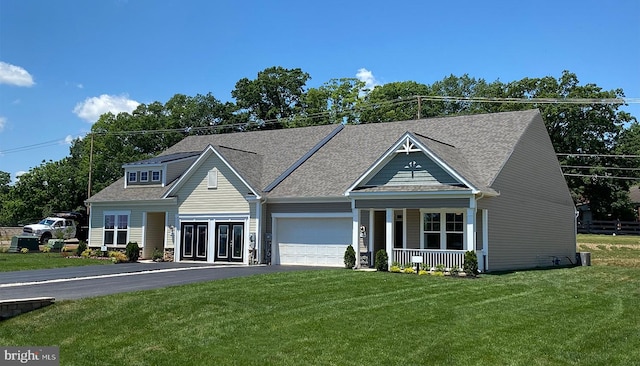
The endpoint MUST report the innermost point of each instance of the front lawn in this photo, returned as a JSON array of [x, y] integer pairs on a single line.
[[570, 316], [24, 261]]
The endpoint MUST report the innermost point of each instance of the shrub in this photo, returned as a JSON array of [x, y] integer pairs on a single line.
[[86, 253], [118, 257], [409, 270], [132, 251], [438, 274], [382, 260], [395, 269], [454, 270], [46, 249], [4, 249], [440, 268], [349, 257], [24, 250], [82, 246], [157, 255], [423, 272], [470, 265]]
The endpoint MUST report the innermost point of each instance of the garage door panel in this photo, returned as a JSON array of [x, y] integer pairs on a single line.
[[309, 241]]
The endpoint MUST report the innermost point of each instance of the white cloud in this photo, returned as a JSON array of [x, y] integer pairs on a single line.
[[92, 108], [367, 76], [68, 140], [14, 75], [3, 122], [16, 175]]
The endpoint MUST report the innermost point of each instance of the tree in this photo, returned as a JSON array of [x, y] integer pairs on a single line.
[[335, 101], [273, 97], [395, 101]]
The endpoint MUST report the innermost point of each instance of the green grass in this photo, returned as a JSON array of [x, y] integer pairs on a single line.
[[570, 316], [21, 261]]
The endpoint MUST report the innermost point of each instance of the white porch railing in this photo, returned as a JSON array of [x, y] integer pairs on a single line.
[[430, 257]]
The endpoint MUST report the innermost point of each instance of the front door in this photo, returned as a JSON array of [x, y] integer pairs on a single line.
[[229, 241], [194, 241]]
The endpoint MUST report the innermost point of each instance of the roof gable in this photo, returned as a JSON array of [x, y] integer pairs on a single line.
[[409, 163], [210, 150]]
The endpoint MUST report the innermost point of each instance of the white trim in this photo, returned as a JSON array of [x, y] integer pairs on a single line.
[[389, 235], [145, 203], [159, 175], [404, 228], [143, 229], [485, 240], [390, 153], [200, 160], [355, 232], [310, 215], [116, 213], [212, 178], [421, 194], [443, 226], [370, 234]]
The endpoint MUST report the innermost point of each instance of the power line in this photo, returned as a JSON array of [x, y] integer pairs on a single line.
[[597, 167], [600, 176], [360, 108], [623, 156]]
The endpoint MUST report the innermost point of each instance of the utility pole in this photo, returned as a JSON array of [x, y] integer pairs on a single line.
[[90, 169], [419, 105]]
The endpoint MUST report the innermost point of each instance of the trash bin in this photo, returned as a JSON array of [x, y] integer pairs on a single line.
[[585, 258]]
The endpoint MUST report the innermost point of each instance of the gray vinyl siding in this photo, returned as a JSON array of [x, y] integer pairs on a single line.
[[533, 217], [194, 197], [413, 228], [398, 172], [413, 203], [177, 168]]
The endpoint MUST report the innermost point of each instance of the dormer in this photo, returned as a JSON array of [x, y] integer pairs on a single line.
[[158, 171]]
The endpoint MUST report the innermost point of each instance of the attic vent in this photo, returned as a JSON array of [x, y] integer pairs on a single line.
[[212, 179], [407, 147]]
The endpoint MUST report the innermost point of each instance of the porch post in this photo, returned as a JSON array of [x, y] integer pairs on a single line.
[[389, 236], [355, 232], [485, 242], [471, 230]]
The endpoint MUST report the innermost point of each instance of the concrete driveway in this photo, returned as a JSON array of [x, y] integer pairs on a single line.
[[88, 281]]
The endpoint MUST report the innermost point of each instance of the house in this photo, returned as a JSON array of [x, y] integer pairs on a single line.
[[433, 188], [634, 197]]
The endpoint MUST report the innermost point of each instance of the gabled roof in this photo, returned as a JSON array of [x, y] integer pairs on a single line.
[[305, 163], [203, 156], [162, 159]]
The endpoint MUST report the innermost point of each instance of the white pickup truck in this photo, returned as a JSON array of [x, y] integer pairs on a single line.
[[49, 227]]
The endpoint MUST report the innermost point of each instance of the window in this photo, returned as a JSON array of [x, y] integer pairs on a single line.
[[431, 230], [144, 176], [443, 230], [213, 178], [116, 228], [455, 231], [155, 176], [133, 176]]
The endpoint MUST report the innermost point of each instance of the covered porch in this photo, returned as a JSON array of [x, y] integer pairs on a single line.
[[439, 230]]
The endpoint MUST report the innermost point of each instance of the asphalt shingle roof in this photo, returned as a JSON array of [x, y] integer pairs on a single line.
[[475, 146]]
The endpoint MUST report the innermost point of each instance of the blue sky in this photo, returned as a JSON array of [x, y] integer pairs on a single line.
[[64, 62]]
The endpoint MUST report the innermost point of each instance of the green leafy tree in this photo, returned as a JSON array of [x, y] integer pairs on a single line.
[[275, 96], [395, 101], [335, 101]]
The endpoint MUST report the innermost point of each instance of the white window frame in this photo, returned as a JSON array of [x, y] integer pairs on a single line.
[[145, 174], [116, 229], [443, 226], [153, 173], [212, 179], [135, 176]]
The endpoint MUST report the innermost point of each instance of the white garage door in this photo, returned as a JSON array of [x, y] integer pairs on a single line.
[[313, 241]]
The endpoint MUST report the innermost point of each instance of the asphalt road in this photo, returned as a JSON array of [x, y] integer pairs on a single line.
[[89, 281]]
